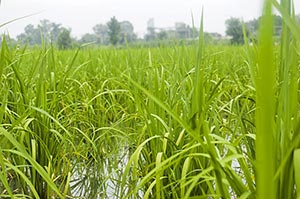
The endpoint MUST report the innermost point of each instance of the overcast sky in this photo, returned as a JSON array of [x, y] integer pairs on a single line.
[[82, 15]]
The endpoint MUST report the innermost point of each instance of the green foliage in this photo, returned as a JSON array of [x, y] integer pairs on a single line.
[[277, 119], [64, 40], [180, 121], [46, 32], [127, 34], [31, 35], [54, 100], [101, 33], [114, 30], [252, 26], [88, 38], [265, 102], [234, 29]]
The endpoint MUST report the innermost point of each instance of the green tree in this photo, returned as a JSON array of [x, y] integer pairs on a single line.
[[55, 31], [45, 30], [64, 40], [31, 35], [88, 38], [234, 29], [45, 27], [114, 30], [127, 32], [101, 32], [252, 27], [49, 30]]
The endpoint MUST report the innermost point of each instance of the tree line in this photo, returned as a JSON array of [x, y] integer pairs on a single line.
[[236, 28], [122, 32], [113, 32]]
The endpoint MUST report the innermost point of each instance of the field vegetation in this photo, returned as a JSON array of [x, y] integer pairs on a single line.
[[174, 121]]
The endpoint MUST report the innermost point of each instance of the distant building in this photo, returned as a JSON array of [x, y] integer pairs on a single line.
[[150, 30], [180, 30]]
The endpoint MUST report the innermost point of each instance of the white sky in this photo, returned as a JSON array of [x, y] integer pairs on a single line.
[[82, 15]]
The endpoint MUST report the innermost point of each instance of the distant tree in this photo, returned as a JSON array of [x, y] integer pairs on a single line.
[[46, 31], [29, 29], [114, 29], [101, 32], [55, 31], [64, 40], [88, 38], [31, 35], [252, 27], [49, 30], [45, 27], [234, 29], [127, 32]]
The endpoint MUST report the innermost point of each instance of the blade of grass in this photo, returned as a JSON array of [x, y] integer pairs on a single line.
[[297, 171], [22, 152], [16, 19], [3, 175], [158, 176], [265, 111]]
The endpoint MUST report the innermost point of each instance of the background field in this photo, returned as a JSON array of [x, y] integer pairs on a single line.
[[184, 120]]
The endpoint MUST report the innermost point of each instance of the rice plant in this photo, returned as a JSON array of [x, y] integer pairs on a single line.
[[178, 121]]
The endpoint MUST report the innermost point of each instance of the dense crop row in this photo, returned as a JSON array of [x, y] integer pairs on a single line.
[[182, 121], [85, 116]]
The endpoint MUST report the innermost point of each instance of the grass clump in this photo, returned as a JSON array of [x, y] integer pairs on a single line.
[[194, 121]]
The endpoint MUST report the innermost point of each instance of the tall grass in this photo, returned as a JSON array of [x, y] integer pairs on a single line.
[[277, 103], [265, 108], [182, 121]]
